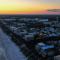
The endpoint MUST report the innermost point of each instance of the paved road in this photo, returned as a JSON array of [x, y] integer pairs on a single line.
[[9, 50]]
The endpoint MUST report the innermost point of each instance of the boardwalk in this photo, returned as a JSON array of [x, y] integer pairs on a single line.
[[8, 50]]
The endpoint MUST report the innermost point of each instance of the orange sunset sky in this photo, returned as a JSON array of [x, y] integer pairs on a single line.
[[28, 6]]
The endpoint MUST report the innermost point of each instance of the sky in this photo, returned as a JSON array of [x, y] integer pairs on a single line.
[[28, 6]]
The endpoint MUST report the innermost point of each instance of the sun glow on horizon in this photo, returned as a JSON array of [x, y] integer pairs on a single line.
[[24, 6]]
